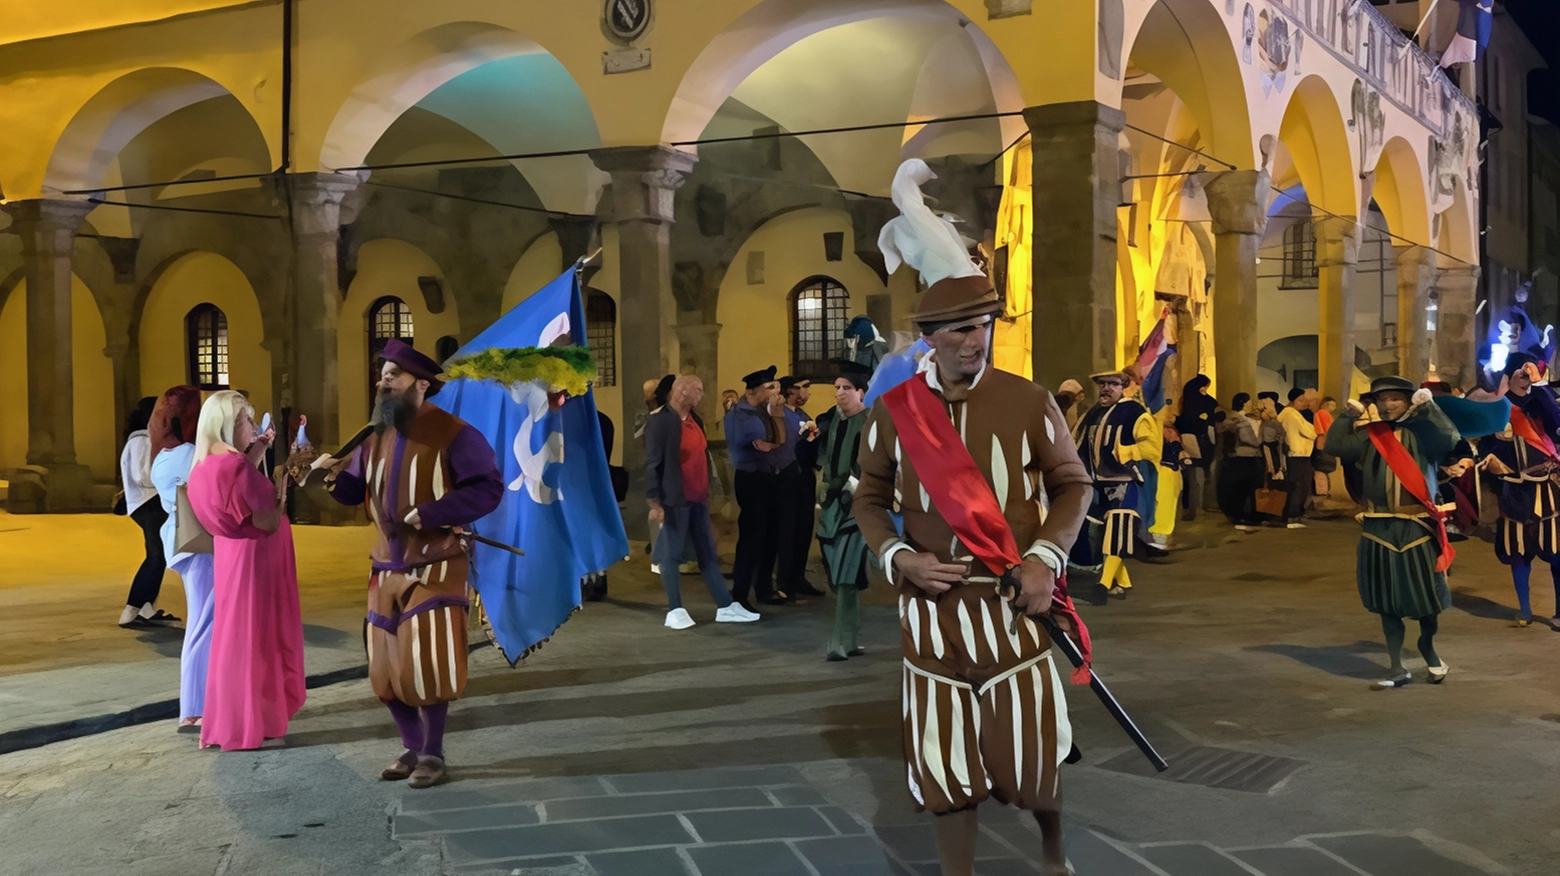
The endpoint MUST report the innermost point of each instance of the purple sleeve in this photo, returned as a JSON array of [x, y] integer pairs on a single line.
[[350, 487], [478, 487]]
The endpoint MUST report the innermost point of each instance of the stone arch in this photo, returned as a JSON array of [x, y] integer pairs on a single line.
[[1313, 130], [410, 72], [1187, 45], [113, 117], [1400, 192], [771, 26], [181, 283]]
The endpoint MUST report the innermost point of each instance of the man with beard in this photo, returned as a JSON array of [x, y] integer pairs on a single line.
[[422, 474], [1112, 438], [1523, 462]]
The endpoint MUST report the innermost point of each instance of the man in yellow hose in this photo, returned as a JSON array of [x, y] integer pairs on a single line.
[[1113, 437]]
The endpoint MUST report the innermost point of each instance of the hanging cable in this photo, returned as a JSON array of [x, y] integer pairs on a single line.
[[170, 209], [158, 185]]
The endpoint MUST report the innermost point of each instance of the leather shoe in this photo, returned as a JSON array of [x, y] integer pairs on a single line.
[[429, 772], [400, 769]]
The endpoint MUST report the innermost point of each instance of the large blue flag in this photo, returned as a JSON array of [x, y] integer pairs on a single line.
[[559, 506]]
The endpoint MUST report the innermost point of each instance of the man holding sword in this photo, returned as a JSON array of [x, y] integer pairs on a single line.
[[422, 474]]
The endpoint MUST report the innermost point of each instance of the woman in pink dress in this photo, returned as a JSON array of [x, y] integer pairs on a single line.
[[255, 682]]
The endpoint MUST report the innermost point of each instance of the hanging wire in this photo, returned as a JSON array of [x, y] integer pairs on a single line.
[[172, 209], [1355, 220], [182, 182]]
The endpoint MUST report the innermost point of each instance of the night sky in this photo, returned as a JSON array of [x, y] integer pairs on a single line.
[[1540, 20]]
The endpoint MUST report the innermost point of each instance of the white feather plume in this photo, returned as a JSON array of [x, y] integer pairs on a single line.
[[920, 238]]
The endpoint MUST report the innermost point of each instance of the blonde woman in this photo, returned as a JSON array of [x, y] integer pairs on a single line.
[[255, 682]]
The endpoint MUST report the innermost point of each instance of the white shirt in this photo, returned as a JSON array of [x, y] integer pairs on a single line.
[[135, 468]]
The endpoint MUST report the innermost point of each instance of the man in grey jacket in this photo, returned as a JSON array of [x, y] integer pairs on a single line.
[[677, 485]]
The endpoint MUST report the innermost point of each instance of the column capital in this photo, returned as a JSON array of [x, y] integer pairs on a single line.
[[1458, 276], [1337, 240], [1238, 200], [1413, 256], [316, 200], [1074, 114], [40, 221], [644, 180], [692, 333]]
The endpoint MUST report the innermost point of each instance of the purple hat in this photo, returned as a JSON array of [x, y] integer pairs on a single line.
[[412, 362]]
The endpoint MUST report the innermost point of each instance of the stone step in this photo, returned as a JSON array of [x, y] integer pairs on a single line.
[[1194, 859]]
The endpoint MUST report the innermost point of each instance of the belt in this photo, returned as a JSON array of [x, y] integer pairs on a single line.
[[977, 689]]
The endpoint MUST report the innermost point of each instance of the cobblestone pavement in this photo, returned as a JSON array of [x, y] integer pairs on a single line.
[[623, 747]]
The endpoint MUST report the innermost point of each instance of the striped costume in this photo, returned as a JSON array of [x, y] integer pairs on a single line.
[[984, 712], [417, 598], [1529, 524], [1115, 517]]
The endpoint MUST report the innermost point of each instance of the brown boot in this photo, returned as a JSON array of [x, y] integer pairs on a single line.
[[429, 772], [401, 768]]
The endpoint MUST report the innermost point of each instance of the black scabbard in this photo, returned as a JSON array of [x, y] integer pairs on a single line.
[[1062, 640]]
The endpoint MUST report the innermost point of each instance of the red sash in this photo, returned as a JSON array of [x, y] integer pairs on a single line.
[[1412, 477], [960, 493], [1524, 429]]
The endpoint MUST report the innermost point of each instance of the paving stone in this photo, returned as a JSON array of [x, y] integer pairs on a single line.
[[693, 780], [1293, 861], [918, 842], [799, 796], [1091, 855], [847, 856], [748, 859], [1192, 859], [1393, 856], [1005, 867], [641, 862], [744, 825], [650, 804], [841, 820], [541, 840], [466, 819], [436, 799], [533, 867]]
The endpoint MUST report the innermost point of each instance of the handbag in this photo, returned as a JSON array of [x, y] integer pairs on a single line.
[[189, 537], [1271, 502], [1323, 462]]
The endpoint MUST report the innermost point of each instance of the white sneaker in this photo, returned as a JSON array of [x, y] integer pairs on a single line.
[[735, 614], [1241, 527], [678, 619], [1297, 526], [655, 569]]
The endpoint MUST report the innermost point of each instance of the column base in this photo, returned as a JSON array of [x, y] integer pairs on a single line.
[[56, 489]]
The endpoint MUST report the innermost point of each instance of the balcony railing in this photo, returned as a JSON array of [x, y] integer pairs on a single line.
[[1362, 38]]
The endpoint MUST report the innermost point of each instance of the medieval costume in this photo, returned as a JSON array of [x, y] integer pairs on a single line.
[[839, 538], [1112, 439], [984, 711], [1173, 468], [1403, 552], [440, 472], [1525, 467]]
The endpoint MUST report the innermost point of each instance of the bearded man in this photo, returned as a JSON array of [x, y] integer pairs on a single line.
[[422, 474]]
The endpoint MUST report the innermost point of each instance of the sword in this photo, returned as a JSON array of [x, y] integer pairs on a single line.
[[482, 539], [1062, 640]]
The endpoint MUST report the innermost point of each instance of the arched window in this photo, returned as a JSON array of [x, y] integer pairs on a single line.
[[601, 335], [818, 316], [388, 318], [1300, 255], [206, 334]]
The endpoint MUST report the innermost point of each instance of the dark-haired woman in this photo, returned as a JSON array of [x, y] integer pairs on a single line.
[[135, 469], [172, 433]]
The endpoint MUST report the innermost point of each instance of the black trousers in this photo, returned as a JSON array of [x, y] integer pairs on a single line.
[[148, 579], [1301, 484], [758, 534], [1239, 478], [798, 496]]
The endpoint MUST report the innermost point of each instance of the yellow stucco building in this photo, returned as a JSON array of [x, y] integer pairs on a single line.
[[255, 194]]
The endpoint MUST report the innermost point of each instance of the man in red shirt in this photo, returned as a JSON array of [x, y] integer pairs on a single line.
[[677, 485]]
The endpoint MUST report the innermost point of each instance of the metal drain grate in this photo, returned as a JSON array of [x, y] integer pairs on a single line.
[[1215, 768]]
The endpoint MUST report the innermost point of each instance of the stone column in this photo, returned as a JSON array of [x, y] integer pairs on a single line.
[[1456, 343], [1238, 202], [1077, 188], [576, 237], [1416, 276], [1337, 256], [698, 351], [47, 229], [311, 385], [644, 182]]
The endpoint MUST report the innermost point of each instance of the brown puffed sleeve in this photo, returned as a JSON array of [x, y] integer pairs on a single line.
[[1068, 487], [875, 492]]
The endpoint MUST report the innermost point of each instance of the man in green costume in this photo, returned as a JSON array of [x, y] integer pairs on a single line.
[[1403, 553], [844, 550]]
